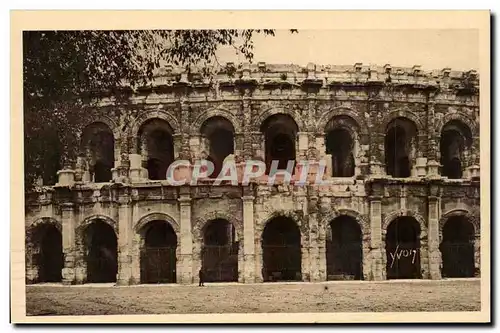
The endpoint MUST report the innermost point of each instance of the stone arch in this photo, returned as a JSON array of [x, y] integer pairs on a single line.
[[470, 216], [201, 223], [218, 112], [296, 216], [362, 221], [459, 116], [343, 138], [90, 219], [408, 213], [403, 113], [156, 216], [280, 247], [278, 110], [108, 121], [44, 250], [331, 113], [158, 114], [41, 221]]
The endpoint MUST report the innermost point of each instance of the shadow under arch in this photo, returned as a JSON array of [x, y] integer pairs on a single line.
[[281, 250]]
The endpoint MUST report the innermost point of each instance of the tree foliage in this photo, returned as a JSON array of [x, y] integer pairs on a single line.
[[61, 67]]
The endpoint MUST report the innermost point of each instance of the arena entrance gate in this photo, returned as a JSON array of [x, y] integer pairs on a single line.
[[281, 250], [457, 248], [220, 252], [158, 253], [344, 249], [49, 259], [101, 252], [403, 249]]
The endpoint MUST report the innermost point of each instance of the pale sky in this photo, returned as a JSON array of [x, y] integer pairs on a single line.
[[432, 49]]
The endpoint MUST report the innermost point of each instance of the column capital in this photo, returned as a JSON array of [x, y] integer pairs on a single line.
[[248, 198], [67, 206], [184, 201]]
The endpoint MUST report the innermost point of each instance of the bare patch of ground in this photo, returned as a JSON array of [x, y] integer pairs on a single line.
[[393, 296]]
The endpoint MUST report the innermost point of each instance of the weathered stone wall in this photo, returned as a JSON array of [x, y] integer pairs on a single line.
[[362, 99]]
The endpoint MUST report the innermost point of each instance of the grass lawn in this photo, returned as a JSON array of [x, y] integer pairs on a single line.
[[392, 296]]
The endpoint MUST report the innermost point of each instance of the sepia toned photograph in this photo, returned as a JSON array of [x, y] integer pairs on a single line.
[[304, 172]]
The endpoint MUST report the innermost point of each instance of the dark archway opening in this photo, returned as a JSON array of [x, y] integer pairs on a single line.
[[219, 256], [50, 259], [98, 147], [456, 139], [102, 172], [403, 249], [101, 252], [400, 145], [457, 248], [344, 249], [281, 250], [156, 146], [220, 135], [158, 253], [339, 144], [280, 132]]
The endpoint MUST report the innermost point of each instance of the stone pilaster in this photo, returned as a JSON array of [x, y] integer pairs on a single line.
[[135, 243], [248, 240], [477, 254], [377, 160], [434, 268], [302, 145], [377, 253], [124, 234], [185, 261], [314, 253], [239, 141], [69, 275]]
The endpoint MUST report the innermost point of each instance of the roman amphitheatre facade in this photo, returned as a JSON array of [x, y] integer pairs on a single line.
[[401, 147]]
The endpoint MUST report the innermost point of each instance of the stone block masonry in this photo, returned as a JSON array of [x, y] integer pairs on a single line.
[[401, 148]]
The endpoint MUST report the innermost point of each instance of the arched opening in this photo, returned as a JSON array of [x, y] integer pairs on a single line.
[[220, 135], [99, 150], [339, 144], [403, 249], [454, 146], [280, 132], [220, 251], [281, 251], [400, 147], [156, 146], [344, 249], [457, 248], [50, 258], [158, 253], [101, 252]]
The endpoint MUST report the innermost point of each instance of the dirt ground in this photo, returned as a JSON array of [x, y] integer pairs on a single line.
[[392, 296]]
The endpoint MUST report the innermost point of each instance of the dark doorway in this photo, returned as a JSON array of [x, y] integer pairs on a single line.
[[99, 150], [457, 248], [344, 249], [400, 141], [156, 146], [50, 259], [456, 139], [281, 251], [403, 249], [339, 144], [101, 252], [220, 135], [219, 257], [102, 172], [158, 254], [280, 133]]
